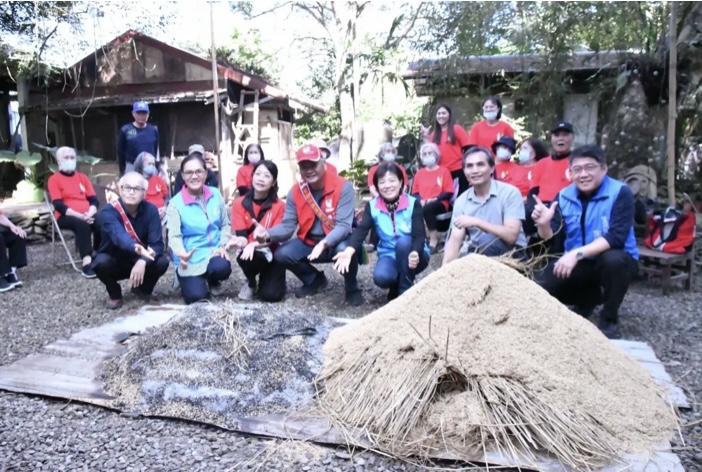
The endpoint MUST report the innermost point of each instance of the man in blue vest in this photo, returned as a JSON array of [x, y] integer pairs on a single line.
[[591, 223]]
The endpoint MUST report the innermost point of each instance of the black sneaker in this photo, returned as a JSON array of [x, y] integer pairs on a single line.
[[611, 330], [5, 286], [355, 298], [393, 293], [319, 283], [13, 280], [88, 272]]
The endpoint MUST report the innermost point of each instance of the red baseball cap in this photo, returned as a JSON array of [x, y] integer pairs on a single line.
[[309, 152]]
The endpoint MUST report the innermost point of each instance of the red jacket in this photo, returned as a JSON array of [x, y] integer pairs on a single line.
[[333, 185], [243, 221]]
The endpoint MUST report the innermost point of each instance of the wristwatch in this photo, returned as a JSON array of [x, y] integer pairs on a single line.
[[579, 255]]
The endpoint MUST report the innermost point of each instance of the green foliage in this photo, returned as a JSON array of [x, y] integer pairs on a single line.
[[357, 173], [21, 17], [245, 50]]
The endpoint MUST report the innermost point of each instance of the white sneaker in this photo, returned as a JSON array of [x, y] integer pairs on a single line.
[[246, 292]]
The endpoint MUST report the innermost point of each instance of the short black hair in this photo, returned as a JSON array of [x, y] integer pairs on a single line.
[[193, 156], [592, 151], [484, 150], [496, 100], [388, 168]]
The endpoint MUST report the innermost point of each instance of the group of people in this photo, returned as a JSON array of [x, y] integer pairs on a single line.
[[565, 201]]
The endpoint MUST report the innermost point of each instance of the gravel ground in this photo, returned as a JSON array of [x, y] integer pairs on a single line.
[[44, 434]]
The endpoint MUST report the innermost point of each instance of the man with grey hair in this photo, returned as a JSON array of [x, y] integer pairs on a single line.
[[132, 242], [487, 218]]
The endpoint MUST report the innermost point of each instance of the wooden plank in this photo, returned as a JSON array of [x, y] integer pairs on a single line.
[[59, 365], [51, 384], [665, 256]]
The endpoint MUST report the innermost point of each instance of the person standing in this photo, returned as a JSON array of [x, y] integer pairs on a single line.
[[451, 139], [136, 137], [492, 128]]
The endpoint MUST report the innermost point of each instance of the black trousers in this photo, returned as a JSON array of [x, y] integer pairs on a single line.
[[463, 184], [83, 232], [601, 280], [271, 276], [13, 251], [110, 269], [431, 211]]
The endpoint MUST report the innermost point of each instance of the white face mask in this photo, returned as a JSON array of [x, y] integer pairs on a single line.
[[68, 166], [503, 154], [389, 157], [490, 115], [254, 159], [428, 160], [524, 156]]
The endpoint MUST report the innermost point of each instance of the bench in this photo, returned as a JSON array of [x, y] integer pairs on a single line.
[[669, 267]]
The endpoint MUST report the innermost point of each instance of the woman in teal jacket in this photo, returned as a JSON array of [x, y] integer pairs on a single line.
[[198, 231], [399, 221]]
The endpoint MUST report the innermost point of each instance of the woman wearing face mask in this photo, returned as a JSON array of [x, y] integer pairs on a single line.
[[75, 204], [253, 154], [198, 232], [157, 193], [398, 220], [492, 128], [260, 207], [505, 170], [433, 187], [387, 153], [451, 140], [530, 152]]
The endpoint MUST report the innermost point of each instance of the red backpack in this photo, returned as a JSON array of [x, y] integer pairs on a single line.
[[671, 231]]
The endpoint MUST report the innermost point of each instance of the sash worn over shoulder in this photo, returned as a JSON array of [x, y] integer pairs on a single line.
[[127, 224], [310, 201]]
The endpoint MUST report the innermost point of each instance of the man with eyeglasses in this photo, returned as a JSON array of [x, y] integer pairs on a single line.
[[132, 243], [136, 137], [591, 223]]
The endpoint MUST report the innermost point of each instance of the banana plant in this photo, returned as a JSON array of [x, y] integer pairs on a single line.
[[27, 161]]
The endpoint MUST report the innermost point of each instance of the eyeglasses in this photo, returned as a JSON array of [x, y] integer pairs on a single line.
[[190, 173], [589, 168], [128, 189]]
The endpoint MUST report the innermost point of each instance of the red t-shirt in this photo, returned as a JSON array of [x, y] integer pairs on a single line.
[[242, 219], [484, 135], [73, 190], [157, 191], [515, 174], [452, 153], [374, 169], [551, 177], [244, 176], [432, 183]]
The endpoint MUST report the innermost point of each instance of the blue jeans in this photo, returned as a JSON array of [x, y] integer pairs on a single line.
[[492, 246], [197, 287], [395, 272], [293, 256]]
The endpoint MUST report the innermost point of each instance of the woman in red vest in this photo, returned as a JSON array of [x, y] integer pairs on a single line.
[[253, 154], [75, 204], [260, 207], [451, 140], [492, 128]]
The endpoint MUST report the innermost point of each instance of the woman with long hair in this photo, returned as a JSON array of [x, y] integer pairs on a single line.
[[451, 139], [259, 207], [253, 154]]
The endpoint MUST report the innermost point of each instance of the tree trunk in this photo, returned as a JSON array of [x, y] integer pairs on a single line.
[[347, 118]]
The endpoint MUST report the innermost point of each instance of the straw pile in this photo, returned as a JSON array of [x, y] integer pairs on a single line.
[[477, 358]]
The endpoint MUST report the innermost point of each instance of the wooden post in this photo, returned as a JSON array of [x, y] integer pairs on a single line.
[[672, 100], [215, 86]]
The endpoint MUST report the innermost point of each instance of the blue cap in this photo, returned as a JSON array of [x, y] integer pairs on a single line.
[[140, 106]]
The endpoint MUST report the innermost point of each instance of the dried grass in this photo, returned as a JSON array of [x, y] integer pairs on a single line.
[[227, 317]]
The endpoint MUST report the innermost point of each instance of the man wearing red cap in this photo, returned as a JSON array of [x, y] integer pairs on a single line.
[[321, 207]]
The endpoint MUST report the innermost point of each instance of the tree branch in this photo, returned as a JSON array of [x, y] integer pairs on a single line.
[[392, 43], [270, 10]]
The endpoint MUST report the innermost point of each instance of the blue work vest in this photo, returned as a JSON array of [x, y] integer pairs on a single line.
[[201, 227], [390, 231]]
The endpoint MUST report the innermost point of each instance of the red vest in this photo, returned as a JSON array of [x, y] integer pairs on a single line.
[[333, 185]]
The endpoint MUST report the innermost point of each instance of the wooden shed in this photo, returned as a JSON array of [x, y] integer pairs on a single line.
[[85, 105]]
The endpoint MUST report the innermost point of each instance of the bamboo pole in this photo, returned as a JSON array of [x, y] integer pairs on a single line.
[[215, 88], [672, 100]]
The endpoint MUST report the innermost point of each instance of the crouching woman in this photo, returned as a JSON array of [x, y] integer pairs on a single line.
[[399, 220], [259, 207]]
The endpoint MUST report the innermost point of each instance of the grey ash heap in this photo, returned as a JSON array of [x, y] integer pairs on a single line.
[[216, 363]]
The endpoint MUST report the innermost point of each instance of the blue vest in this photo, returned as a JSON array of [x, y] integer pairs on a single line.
[[200, 229], [597, 217], [389, 232]]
